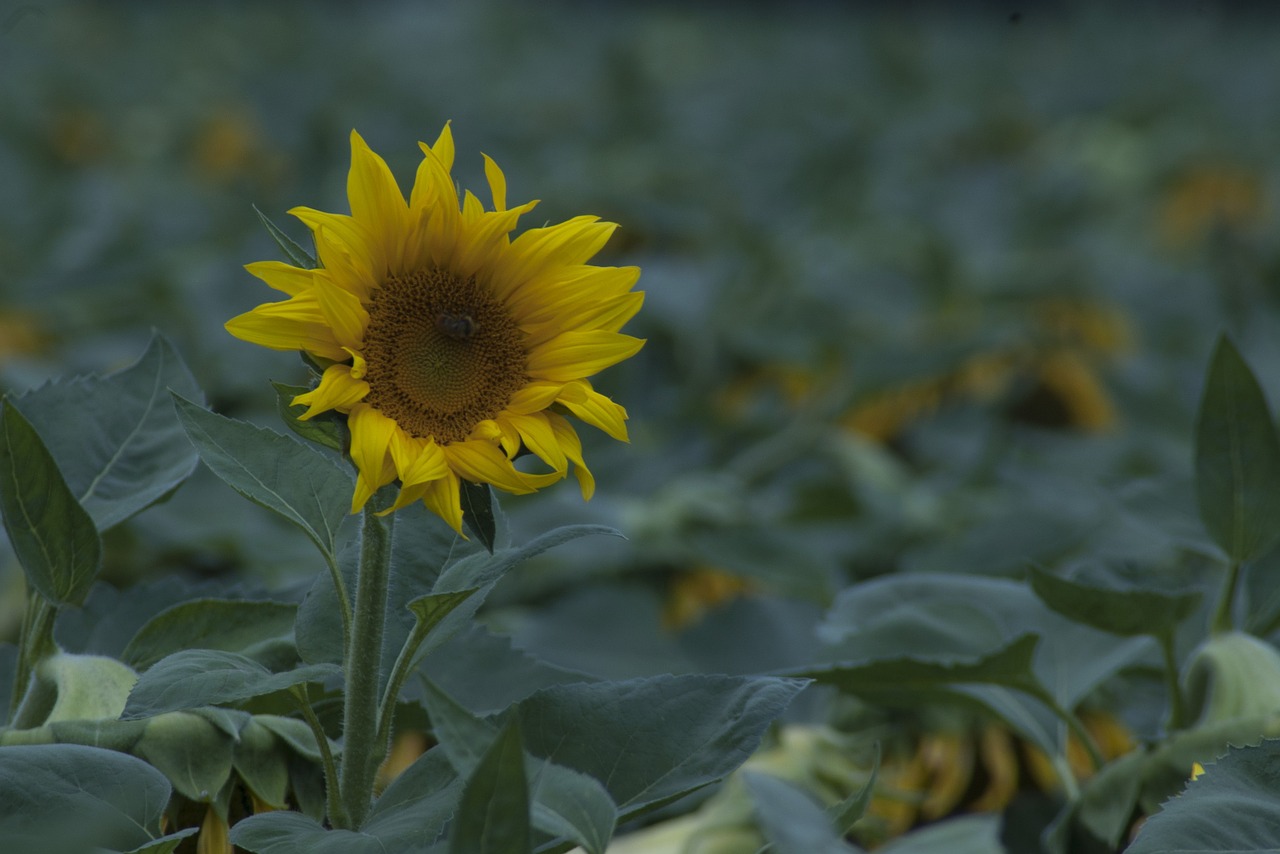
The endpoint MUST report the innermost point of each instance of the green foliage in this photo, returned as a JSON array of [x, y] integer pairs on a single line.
[[1121, 612], [54, 538], [493, 816], [325, 430], [791, 821], [116, 801], [273, 471], [191, 678], [262, 631], [115, 438], [1231, 808], [1237, 459]]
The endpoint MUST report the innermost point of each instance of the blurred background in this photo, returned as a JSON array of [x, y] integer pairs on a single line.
[[928, 289]]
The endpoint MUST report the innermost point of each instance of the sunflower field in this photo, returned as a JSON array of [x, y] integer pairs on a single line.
[[913, 363]]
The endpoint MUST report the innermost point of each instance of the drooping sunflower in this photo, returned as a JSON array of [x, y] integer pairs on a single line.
[[449, 344]]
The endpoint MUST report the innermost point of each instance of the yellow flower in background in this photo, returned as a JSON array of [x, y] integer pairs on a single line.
[[450, 345]]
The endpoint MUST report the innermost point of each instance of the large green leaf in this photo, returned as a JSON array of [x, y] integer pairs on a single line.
[[116, 438], [418, 804], [908, 681], [68, 799], [192, 751], [697, 728], [493, 815], [564, 803], [1128, 612], [193, 678], [1237, 458], [962, 618], [274, 471], [968, 835], [1232, 808], [791, 819], [285, 832], [52, 535], [256, 629]]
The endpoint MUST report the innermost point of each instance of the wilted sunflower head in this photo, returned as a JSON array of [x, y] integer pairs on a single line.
[[450, 344]]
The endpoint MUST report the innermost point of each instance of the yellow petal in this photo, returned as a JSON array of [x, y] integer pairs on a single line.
[[573, 355], [338, 389], [370, 442], [480, 240], [595, 409], [607, 316], [540, 249], [482, 462], [537, 435], [545, 297], [497, 183], [572, 447], [443, 498], [343, 234], [534, 397], [343, 311], [433, 207], [429, 464], [281, 276], [296, 324], [443, 147], [376, 201]]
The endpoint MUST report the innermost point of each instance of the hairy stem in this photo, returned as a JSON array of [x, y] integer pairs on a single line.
[[361, 751], [337, 813], [34, 643]]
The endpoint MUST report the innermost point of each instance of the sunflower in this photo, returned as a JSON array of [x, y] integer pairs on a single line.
[[450, 345]]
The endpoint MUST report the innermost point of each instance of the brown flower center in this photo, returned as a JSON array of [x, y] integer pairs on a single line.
[[443, 355]]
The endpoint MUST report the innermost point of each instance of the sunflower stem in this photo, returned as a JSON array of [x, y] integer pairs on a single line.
[[35, 641], [337, 813], [361, 750], [399, 673], [344, 601]]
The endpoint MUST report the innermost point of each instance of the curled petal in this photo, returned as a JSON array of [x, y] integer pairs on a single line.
[[338, 389]]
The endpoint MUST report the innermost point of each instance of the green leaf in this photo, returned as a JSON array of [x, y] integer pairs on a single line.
[[969, 835], [696, 729], [566, 804], [193, 678], [478, 570], [262, 763], [791, 819], [271, 470], [572, 806], [493, 816], [962, 618], [284, 832], [254, 629], [1109, 798], [53, 537], [1232, 808], [418, 804], [191, 751], [116, 438], [324, 429], [434, 608], [904, 681], [1120, 612], [849, 811], [297, 256], [166, 844], [1237, 459], [477, 512], [68, 799]]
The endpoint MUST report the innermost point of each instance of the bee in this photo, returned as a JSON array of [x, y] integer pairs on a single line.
[[459, 327]]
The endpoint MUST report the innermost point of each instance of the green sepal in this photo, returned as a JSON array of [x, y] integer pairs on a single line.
[[297, 256]]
